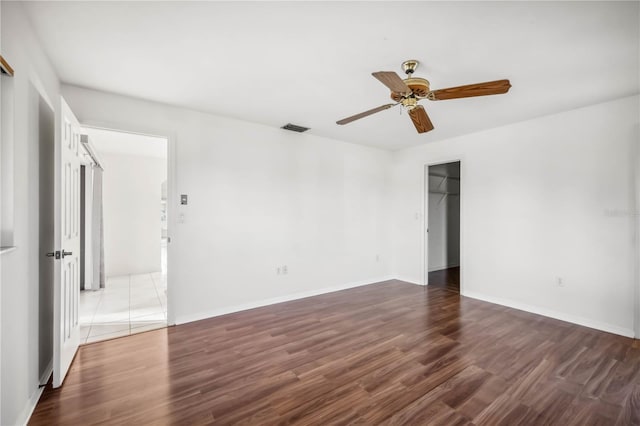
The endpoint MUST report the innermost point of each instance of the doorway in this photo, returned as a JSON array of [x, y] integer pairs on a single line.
[[443, 241], [130, 198]]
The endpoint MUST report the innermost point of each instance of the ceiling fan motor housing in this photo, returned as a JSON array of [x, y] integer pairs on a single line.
[[419, 87]]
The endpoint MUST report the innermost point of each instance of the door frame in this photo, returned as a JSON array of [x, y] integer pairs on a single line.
[[425, 215], [172, 197]]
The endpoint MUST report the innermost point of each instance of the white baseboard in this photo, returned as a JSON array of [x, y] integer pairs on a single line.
[[274, 300], [574, 319], [609, 328], [25, 415], [409, 280]]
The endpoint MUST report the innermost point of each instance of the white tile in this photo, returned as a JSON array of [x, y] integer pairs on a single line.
[[109, 317], [136, 302], [109, 328], [113, 306], [163, 301], [90, 295], [148, 327], [111, 291], [148, 318], [142, 295], [86, 318], [92, 339], [143, 292], [140, 279], [116, 282], [115, 298], [84, 332], [144, 311]]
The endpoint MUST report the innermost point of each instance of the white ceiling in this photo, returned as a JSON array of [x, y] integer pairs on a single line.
[[310, 63], [109, 141]]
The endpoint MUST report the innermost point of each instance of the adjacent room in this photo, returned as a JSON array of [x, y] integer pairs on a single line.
[[123, 290], [383, 212]]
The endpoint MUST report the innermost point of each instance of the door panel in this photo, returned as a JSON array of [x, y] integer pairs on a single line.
[[67, 294]]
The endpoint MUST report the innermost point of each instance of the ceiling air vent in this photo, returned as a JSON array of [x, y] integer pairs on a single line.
[[294, 128]]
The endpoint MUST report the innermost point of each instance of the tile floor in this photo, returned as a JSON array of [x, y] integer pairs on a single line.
[[127, 305]]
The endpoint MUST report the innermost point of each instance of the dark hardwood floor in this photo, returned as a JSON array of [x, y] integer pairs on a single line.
[[446, 278], [391, 353]]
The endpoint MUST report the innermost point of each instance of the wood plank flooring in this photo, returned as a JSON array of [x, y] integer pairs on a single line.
[[390, 353], [447, 278]]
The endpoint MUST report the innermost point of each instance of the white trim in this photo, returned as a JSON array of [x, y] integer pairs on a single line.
[[408, 280], [574, 319], [25, 415], [460, 158], [172, 194], [275, 300]]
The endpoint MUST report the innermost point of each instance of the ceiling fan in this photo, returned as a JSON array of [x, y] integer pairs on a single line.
[[411, 90]]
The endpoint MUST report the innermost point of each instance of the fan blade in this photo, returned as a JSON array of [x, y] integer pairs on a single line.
[[364, 114], [392, 81], [480, 89], [420, 119]]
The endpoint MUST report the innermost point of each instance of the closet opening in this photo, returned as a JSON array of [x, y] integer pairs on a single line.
[[443, 226]]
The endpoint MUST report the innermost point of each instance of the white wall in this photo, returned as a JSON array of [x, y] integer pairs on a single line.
[[131, 203], [19, 271], [545, 198], [259, 198]]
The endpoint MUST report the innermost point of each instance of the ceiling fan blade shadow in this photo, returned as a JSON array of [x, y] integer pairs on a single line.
[[497, 87], [420, 119], [364, 114]]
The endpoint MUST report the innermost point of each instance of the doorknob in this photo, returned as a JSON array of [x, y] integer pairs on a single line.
[[66, 253]]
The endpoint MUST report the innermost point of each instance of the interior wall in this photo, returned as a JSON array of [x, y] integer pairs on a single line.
[[131, 202], [260, 198], [546, 213], [19, 270]]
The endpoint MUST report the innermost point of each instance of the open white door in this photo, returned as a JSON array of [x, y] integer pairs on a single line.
[[67, 234]]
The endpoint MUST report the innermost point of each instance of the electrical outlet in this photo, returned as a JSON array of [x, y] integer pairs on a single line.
[[284, 270], [559, 282]]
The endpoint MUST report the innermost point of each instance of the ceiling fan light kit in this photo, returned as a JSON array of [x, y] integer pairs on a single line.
[[411, 90]]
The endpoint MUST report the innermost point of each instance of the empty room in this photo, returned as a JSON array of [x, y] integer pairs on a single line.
[[386, 212]]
